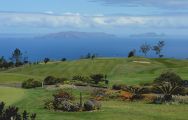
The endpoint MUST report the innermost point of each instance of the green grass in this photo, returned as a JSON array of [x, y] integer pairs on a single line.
[[111, 110], [11, 95], [119, 70]]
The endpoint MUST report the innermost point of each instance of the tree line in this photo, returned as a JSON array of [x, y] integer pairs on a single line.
[[146, 48], [17, 59]]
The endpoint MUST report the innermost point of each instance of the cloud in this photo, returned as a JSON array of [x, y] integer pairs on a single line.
[[71, 20], [148, 3]]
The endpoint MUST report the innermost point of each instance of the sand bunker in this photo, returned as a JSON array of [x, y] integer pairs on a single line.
[[143, 62]]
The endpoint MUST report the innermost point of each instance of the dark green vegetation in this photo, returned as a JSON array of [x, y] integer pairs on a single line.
[[12, 113], [131, 71]]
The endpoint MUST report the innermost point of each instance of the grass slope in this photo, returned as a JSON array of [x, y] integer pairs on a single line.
[[119, 70], [11, 95]]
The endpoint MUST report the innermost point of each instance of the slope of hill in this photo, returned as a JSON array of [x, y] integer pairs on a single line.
[[118, 70]]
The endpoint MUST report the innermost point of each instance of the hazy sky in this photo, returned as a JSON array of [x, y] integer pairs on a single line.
[[121, 17]]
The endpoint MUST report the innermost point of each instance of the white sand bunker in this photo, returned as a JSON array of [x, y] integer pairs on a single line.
[[142, 62]]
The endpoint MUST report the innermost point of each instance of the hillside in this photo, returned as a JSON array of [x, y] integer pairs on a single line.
[[118, 70]]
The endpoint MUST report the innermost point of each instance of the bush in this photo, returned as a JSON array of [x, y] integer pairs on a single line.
[[104, 94], [168, 89], [51, 80], [125, 95], [80, 83], [135, 91], [63, 95], [180, 99], [185, 83], [168, 77], [48, 104], [31, 83], [96, 78], [149, 97], [68, 106], [118, 86], [92, 105], [81, 78], [158, 100]]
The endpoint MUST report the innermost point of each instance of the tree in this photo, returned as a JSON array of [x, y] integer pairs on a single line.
[[88, 56], [63, 59], [46, 60], [132, 53], [2, 62], [145, 48], [17, 57], [158, 48], [93, 56]]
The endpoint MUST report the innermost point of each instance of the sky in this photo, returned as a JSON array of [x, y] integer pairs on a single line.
[[119, 17]]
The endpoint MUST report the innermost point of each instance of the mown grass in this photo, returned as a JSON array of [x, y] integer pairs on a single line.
[[11, 95], [119, 70]]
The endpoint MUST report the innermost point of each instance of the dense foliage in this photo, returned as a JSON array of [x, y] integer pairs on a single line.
[[51, 80], [12, 113], [31, 83]]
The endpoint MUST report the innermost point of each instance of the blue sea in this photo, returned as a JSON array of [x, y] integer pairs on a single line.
[[38, 48]]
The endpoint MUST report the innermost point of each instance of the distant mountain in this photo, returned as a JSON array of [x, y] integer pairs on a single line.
[[148, 35], [78, 35]]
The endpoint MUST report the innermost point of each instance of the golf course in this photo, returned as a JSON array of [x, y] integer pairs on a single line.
[[129, 71]]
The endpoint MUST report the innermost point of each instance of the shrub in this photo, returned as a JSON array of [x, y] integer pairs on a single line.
[[102, 94], [92, 105], [31, 83], [96, 78], [81, 78], [158, 100], [180, 99], [125, 95], [48, 104], [63, 95], [168, 77], [80, 83], [50, 80], [149, 97], [68, 106], [119, 86], [136, 92], [185, 83], [168, 89], [61, 80]]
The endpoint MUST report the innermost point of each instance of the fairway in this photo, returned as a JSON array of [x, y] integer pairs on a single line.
[[11, 95], [118, 70]]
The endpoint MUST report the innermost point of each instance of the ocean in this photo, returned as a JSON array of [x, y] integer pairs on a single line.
[[38, 48]]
